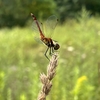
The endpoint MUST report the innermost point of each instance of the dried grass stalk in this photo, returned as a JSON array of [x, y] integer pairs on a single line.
[[46, 79]]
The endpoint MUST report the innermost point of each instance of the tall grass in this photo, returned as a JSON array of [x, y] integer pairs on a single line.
[[21, 60]]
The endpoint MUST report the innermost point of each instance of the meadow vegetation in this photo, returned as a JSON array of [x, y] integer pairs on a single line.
[[22, 60]]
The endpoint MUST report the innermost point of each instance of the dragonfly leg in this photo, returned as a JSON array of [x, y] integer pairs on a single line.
[[46, 53], [51, 51]]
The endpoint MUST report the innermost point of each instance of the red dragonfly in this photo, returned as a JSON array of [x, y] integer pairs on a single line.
[[51, 44]]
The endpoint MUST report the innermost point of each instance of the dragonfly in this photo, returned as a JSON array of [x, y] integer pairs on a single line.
[[52, 45]]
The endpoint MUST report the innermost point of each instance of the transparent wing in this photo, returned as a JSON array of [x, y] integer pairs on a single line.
[[50, 25], [36, 30]]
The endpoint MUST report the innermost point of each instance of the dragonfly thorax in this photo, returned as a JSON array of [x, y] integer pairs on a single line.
[[46, 41]]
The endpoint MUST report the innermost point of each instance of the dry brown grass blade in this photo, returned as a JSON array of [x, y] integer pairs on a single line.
[[46, 79]]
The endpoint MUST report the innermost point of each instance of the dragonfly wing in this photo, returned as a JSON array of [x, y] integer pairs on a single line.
[[36, 31], [50, 25], [38, 40]]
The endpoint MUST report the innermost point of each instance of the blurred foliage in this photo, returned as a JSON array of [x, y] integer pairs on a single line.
[[17, 12], [22, 61], [70, 8], [82, 85]]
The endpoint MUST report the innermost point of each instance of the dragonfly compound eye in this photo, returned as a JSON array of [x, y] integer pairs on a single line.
[[56, 47]]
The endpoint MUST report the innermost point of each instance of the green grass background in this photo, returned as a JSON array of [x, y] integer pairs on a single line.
[[22, 60]]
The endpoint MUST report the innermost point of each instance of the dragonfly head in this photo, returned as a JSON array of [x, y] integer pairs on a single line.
[[56, 46]]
